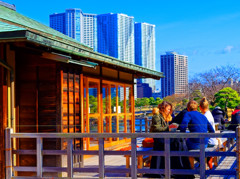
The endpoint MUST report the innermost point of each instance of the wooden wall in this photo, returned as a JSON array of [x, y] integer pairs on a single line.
[[3, 119], [3, 111], [37, 104]]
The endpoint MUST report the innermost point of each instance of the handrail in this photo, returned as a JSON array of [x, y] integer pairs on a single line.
[[133, 153]]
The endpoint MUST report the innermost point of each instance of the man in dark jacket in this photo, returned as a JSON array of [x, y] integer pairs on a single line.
[[235, 119], [178, 119], [218, 115]]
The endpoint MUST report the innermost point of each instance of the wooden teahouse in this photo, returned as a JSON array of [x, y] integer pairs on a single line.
[[49, 82]]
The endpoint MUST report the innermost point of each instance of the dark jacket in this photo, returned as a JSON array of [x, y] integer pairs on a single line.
[[218, 115], [178, 119], [196, 122], [158, 124], [235, 120]]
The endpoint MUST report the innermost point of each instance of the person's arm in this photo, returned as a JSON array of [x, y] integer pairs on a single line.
[[186, 119], [210, 127], [157, 125], [222, 120]]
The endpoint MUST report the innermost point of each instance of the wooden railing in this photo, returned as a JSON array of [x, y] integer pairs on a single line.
[[39, 152]]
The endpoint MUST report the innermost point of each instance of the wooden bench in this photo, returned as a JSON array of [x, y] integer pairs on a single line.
[[220, 147]]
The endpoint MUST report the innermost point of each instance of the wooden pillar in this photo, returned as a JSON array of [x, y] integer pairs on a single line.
[[134, 158], [167, 158], [202, 158], [70, 158], [117, 117], [8, 149], [109, 98], [125, 109], [87, 114], [133, 109], [81, 117]]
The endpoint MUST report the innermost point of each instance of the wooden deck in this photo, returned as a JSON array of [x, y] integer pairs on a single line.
[[105, 161], [120, 161]]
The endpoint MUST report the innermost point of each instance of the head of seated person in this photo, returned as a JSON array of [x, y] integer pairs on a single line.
[[204, 105], [192, 105], [155, 111]]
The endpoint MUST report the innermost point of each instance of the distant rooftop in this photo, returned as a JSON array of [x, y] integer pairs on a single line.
[[10, 6], [171, 52], [174, 53]]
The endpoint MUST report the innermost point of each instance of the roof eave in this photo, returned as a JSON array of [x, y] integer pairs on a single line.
[[70, 49]]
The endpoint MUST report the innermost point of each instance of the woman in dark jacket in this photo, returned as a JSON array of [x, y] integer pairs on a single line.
[[218, 115], [160, 124]]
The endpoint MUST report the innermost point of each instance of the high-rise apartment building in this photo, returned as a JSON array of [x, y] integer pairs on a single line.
[[145, 48], [175, 70], [116, 36], [78, 25]]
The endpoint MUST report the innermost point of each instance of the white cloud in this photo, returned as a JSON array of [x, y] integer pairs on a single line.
[[228, 49]]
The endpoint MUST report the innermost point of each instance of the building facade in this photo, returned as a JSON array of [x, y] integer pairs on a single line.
[[145, 48], [78, 25], [116, 36], [144, 90], [175, 69]]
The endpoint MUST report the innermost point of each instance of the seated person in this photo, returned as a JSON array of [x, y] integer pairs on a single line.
[[235, 121], [196, 122], [178, 119], [204, 108], [218, 115]]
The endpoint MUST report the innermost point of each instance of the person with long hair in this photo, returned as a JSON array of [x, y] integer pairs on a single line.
[[160, 123], [204, 108]]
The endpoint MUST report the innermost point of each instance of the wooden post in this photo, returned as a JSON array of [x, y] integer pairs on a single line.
[[146, 124], [39, 157], [238, 152], [140, 125], [167, 158], [101, 157], [134, 158], [8, 153], [70, 158], [202, 158]]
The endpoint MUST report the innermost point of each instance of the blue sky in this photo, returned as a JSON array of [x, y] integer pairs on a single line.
[[207, 31]]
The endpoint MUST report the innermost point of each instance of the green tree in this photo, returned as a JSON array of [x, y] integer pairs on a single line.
[[93, 104], [152, 101], [227, 98], [145, 101], [138, 102], [158, 100]]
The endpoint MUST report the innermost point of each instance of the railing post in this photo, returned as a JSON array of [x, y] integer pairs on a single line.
[[167, 158], [8, 153], [81, 156], [39, 157], [140, 125], [202, 158], [70, 158], [238, 152], [101, 157], [146, 124], [134, 158]]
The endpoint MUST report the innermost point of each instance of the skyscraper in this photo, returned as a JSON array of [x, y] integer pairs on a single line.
[[116, 36], [175, 70], [78, 25], [145, 48]]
